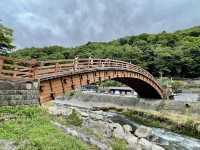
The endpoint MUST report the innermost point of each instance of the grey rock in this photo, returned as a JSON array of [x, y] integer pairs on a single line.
[[85, 138], [145, 144], [118, 131], [136, 147], [99, 117], [96, 116], [83, 114], [60, 111], [132, 141], [127, 128], [7, 145], [143, 132], [156, 147]]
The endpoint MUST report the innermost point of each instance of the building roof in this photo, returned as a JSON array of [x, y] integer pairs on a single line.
[[119, 88]]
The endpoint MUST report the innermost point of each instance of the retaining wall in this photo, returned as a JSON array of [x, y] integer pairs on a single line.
[[19, 93]]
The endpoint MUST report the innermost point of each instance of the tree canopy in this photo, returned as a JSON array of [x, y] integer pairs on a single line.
[[6, 39], [171, 54]]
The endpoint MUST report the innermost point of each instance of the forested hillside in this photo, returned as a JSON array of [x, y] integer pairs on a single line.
[[171, 54]]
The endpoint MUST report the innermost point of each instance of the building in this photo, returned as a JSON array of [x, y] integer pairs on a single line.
[[121, 91]]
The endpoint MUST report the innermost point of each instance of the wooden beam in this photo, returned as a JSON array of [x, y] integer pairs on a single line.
[[1, 65]]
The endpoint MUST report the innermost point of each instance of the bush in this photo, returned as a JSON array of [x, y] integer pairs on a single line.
[[74, 119]]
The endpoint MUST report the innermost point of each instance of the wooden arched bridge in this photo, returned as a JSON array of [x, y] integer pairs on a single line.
[[56, 77]]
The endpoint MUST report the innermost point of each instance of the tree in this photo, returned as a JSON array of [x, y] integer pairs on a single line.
[[172, 54], [6, 39]]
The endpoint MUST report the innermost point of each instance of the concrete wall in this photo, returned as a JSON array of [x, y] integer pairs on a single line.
[[158, 105], [19, 93]]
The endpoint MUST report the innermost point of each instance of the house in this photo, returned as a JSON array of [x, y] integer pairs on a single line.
[[121, 91]]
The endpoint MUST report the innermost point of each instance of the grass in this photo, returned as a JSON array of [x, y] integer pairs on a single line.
[[31, 129], [119, 144], [183, 124]]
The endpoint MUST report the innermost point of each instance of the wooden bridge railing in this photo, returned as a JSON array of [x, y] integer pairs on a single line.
[[63, 66], [18, 69], [11, 68]]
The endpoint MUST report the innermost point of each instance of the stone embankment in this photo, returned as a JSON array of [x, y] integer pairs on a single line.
[[19, 93]]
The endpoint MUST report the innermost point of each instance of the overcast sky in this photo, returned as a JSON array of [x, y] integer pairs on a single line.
[[69, 23]]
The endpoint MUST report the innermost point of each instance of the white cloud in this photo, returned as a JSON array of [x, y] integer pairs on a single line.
[[74, 22]]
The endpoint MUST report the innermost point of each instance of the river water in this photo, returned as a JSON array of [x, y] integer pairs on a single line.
[[167, 139]]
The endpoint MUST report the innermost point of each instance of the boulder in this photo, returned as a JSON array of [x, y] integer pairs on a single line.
[[114, 125], [97, 115], [127, 129], [7, 145], [118, 131], [145, 144], [143, 132], [72, 132], [132, 141], [108, 130], [83, 114], [136, 147], [156, 147], [60, 111]]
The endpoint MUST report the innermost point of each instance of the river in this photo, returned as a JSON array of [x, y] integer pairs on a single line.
[[167, 139]]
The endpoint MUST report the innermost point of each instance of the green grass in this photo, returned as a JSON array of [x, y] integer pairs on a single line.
[[31, 129], [119, 144]]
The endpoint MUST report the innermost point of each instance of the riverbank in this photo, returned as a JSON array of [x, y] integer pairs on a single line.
[[99, 123], [90, 122], [177, 116]]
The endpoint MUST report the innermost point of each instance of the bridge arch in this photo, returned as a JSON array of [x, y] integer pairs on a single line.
[[57, 86]]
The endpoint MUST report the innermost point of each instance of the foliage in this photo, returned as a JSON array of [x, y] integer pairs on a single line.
[[31, 129], [73, 119], [6, 38], [170, 54], [108, 83]]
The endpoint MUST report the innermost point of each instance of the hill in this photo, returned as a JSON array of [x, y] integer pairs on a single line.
[[171, 54]]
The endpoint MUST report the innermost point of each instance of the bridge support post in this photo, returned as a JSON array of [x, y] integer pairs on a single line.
[[1, 65], [34, 68], [63, 88], [57, 68], [15, 73]]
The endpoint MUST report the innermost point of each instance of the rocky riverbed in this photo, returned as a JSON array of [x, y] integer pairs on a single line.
[[98, 129], [102, 128]]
